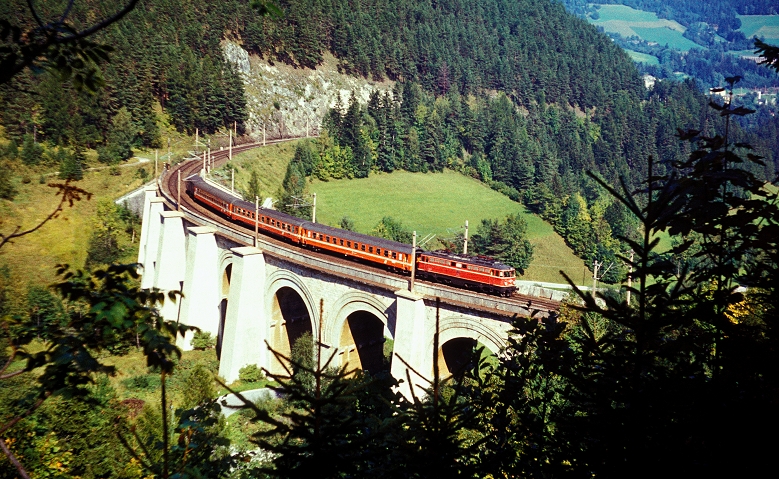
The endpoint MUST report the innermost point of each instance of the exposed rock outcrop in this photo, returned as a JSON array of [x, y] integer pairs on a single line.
[[286, 101]]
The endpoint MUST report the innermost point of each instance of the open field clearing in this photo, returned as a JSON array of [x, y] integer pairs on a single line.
[[766, 26], [629, 22], [439, 204], [643, 57]]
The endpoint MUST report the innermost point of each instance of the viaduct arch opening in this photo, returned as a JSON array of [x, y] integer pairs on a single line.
[[457, 356], [362, 343], [226, 277], [291, 319]]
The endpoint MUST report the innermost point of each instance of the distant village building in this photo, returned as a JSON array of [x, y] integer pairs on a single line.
[[649, 81]]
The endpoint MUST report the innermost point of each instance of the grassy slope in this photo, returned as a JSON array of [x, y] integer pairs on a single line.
[[65, 239], [439, 204], [643, 57], [628, 22], [270, 162], [761, 25]]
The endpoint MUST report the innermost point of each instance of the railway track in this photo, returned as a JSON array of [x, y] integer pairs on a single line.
[[171, 182]]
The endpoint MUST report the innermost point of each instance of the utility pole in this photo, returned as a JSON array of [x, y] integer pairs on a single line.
[[256, 220], [630, 274], [156, 151], [465, 239], [178, 191], [313, 210], [413, 262], [230, 152], [197, 138], [595, 267]]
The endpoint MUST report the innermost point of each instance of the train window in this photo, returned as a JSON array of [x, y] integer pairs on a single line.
[[378, 251], [328, 239], [370, 249], [362, 247], [386, 253], [349, 244], [342, 242], [394, 255]]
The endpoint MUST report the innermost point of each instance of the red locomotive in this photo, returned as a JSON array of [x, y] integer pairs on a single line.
[[474, 272]]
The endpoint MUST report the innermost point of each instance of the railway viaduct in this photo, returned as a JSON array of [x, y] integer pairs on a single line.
[[255, 293]]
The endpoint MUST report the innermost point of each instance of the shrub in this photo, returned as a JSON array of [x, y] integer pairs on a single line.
[[251, 374], [507, 190], [203, 340], [7, 189], [146, 382], [198, 387]]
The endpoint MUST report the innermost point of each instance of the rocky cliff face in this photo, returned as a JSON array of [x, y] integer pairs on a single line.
[[283, 101]]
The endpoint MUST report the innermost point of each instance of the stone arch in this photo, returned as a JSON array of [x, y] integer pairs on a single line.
[[357, 330], [286, 294], [223, 292], [459, 333], [453, 327]]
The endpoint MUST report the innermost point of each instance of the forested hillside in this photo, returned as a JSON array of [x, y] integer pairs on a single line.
[[718, 46], [517, 93]]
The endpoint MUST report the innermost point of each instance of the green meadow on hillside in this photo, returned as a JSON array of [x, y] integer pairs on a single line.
[[643, 57], [270, 162], [64, 239], [631, 22], [762, 26], [439, 204]]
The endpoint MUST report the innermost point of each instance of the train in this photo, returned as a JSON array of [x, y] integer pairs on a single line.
[[478, 273]]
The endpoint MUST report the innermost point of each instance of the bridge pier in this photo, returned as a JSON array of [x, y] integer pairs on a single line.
[[246, 325], [171, 261], [149, 193], [201, 284], [152, 224], [412, 335]]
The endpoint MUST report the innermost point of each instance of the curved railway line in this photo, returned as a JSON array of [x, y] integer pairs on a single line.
[[172, 188]]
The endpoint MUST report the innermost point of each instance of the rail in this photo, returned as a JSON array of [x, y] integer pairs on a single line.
[[515, 305]]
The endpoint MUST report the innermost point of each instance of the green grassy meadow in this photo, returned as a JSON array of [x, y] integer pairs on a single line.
[[643, 57], [766, 26], [270, 162], [438, 204], [631, 22], [64, 239]]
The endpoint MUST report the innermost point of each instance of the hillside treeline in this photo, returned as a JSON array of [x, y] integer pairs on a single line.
[[571, 101], [162, 54], [717, 12], [168, 51], [536, 155]]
